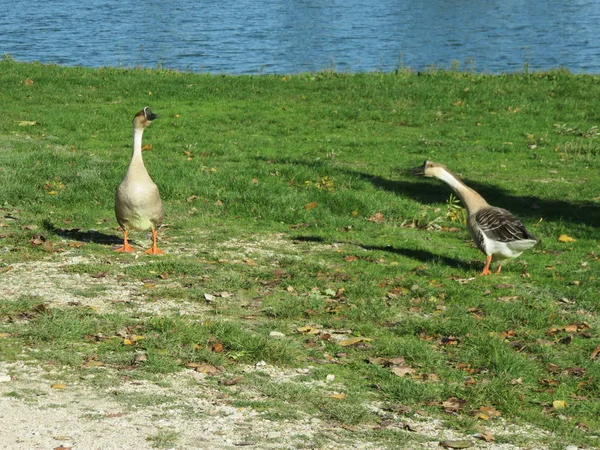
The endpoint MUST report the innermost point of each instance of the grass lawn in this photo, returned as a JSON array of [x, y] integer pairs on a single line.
[[290, 209]]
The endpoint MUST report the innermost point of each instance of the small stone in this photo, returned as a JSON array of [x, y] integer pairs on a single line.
[[303, 371], [571, 447], [276, 334], [330, 377], [260, 364], [4, 378]]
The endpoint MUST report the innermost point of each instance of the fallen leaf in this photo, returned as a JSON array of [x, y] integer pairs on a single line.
[[26, 123], [338, 396], [59, 386], [147, 147], [230, 381], [48, 247], [308, 330], [99, 274], [489, 411], [208, 369], [310, 206], [377, 218], [453, 404], [402, 370], [350, 258], [565, 238], [596, 352], [354, 341], [217, 347], [559, 404], [456, 444], [486, 436]]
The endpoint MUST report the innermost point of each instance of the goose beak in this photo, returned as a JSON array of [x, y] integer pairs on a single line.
[[149, 114], [417, 171]]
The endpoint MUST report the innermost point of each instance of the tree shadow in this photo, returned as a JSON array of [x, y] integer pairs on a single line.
[[76, 234]]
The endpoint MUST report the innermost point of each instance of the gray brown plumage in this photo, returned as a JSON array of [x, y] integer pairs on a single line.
[[138, 205], [495, 231]]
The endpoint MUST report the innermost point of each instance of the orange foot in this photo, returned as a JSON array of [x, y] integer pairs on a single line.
[[154, 250], [125, 247], [486, 268]]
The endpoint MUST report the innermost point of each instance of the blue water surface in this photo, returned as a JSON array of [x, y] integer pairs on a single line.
[[291, 36]]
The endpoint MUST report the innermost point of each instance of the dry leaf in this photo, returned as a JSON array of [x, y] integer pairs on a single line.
[[338, 396], [147, 147], [59, 386], [26, 123], [456, 444], [596, 352], [486, 436], [559, 404], [310, 206], [354, 341], [402, 370], [217, 347], [565, 238], [350, 258], [230, 381], [308, 330], [377, 218]]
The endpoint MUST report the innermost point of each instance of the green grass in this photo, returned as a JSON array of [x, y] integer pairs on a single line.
[[238, 159]]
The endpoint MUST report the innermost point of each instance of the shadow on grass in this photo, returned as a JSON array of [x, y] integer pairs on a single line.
[[423, 256], [435, 192], [526, 206], [76, 234]]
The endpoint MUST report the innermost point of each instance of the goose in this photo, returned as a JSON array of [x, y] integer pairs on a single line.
[[138, 205], [496, 232]]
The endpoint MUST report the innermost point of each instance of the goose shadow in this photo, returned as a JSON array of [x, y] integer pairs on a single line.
[[77, 234], [426, 191], [423, 256]]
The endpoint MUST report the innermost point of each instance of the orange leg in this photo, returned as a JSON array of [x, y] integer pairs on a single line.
[[154, 250], [125, 247], [499, 269], [486, 268]]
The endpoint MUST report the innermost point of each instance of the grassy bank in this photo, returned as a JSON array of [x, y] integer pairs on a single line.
[[289, 208]]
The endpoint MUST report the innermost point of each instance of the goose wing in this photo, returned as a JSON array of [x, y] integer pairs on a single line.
[[501, 225]]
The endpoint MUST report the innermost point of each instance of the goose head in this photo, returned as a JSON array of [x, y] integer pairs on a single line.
[[144, 118], [430, 169]]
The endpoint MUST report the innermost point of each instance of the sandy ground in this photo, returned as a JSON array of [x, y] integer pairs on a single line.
[[182, 412]]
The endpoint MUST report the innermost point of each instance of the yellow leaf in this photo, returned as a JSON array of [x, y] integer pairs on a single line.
[[354, 341], [52, 192], [308, 330], [26, 123], [559, 404], [147, 147], [310, 205], [4, 335], [127, 341], [355, 213], [565, 238], [59, 386], [338, 396]]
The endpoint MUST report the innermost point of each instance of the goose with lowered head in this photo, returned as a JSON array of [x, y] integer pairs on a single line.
[[496, 232]]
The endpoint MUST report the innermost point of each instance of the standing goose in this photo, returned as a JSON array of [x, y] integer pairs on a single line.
[[137, 201], [496, 232]]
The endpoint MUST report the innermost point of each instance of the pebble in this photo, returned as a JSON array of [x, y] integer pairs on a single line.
[[330, 377], [4, 378], [303, 371], [571, 447], [276, 334]]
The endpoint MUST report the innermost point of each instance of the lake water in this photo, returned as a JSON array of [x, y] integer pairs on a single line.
[[291, 36]]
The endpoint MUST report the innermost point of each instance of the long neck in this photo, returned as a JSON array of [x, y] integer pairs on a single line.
[[136, 157], [471, 199]]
